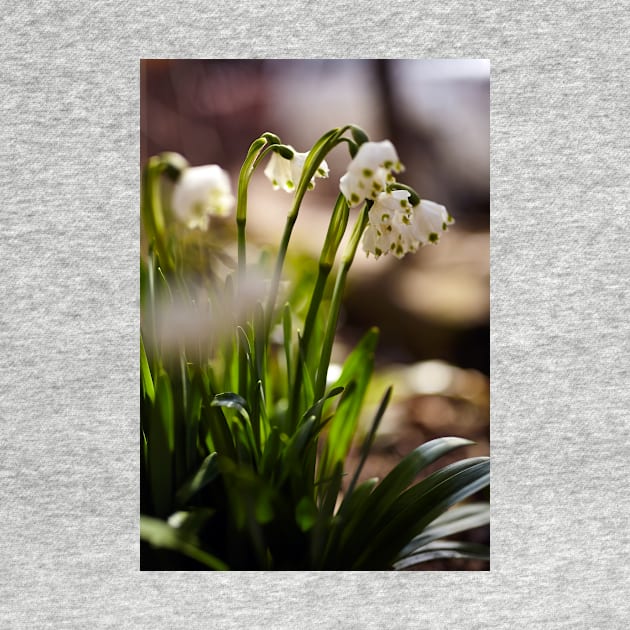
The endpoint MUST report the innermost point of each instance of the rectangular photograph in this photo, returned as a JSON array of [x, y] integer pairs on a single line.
[[314, 311]]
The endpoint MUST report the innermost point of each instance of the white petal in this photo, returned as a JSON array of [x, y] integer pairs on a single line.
[[199, 192], [429, 221], [286, 174], [374, 155]]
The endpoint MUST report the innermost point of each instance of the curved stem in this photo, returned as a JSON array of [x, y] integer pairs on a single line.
[[315, 157], [241, 200], [335, 305]]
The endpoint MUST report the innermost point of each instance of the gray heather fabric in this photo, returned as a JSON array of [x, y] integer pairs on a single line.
[[69, 321]]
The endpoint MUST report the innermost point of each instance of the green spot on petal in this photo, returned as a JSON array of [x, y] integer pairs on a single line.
[[367, 172], [354, 198], [433, 237], [289, 183]]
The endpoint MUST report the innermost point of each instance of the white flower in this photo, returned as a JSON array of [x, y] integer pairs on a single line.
[[370, 171], [199, 192], [285, 174], [395, 226], [430, 219]]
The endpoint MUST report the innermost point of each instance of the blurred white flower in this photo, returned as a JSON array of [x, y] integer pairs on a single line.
[[370, 171], [202, 191], [398, 227], [284, 173]]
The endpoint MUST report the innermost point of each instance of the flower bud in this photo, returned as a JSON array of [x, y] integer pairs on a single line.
[[173, 164], [359, 136], [271, 138]]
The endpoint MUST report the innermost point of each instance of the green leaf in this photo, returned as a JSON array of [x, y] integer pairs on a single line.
[[208, 471], [287, 327], [145, 372], [192, 423], [315, 411], [357, 371], [458, 519], [349, 518], [160, 446], [367, 444], [163, 536], [441, 549], [188, 523], [306, 513], [413, 510], [408, 469], [231, 401], [377, 509], [270, 458], [329, 491], [215, 422], [336, 230]]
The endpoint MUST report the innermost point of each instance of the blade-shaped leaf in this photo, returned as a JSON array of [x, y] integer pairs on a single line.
[[161, 535], [444, 549], [145, 371], [454, 521], [369, 440], [413, 510], [160, 446], [207, 472], [376, 510], [355, 377], [231, 401]]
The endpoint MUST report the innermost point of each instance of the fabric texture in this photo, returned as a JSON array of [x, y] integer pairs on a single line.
[[69, 548]]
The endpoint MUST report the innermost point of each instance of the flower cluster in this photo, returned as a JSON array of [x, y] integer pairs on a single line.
[[200, 192], [398, 221], [285, 173], [397, 226], [370, 172]]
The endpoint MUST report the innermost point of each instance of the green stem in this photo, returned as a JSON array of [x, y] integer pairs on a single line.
[[336, 230], [316, 299], [275, 280], [315, 157], [241, 199], [242, 262], [335, 305], [152, 212]]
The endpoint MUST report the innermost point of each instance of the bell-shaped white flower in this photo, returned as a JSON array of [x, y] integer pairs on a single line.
[[370, 171], [430, 219], [284, 173], [199, 192], [395, 226]]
